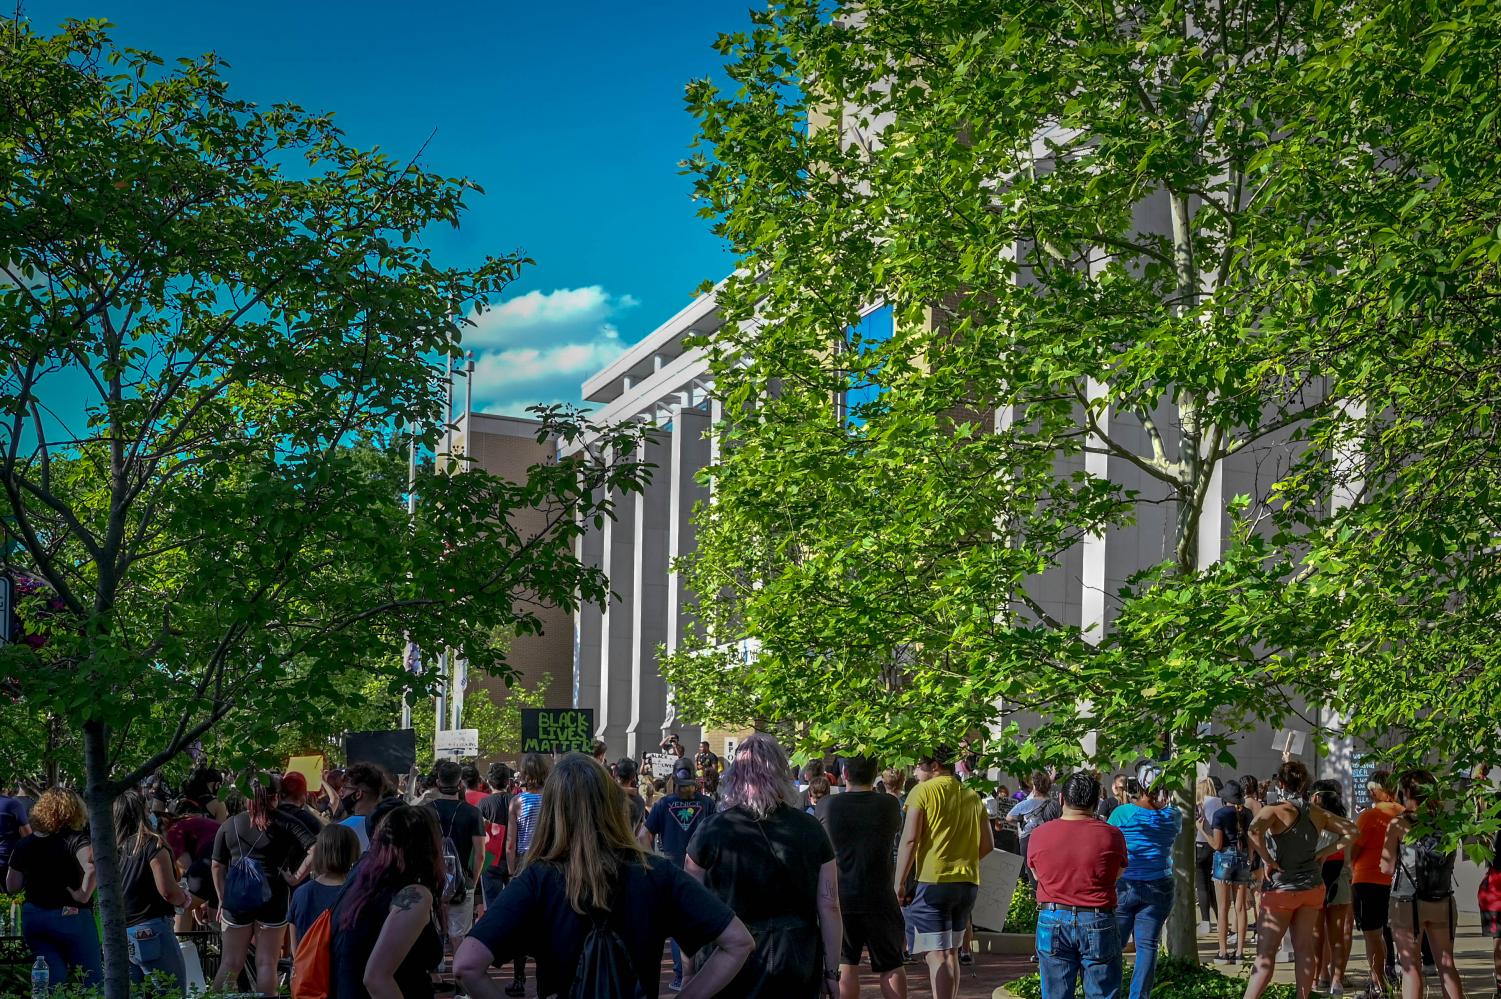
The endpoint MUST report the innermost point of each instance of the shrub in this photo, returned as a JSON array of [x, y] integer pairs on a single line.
[[1175, 979], [1022, 916]]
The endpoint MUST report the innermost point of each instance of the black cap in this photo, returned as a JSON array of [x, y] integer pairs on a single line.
[[685, 775]]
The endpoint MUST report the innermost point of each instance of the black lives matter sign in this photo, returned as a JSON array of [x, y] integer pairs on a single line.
[[557, 730]]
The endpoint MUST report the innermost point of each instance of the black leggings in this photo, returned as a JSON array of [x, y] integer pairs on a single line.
[[1204, 879]]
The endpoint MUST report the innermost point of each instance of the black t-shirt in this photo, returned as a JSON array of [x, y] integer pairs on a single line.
[[353, 943], [862, 825], [655, 902], [1234, 823], [143, 900], [301, 816], [495, 808], [49, 869], [281, 846], [763, 870], [461, 822]]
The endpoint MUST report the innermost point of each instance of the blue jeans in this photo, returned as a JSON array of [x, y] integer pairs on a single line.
[[1071, 944], [1141, 909], [154, 948], [677, 960], [64, 942]]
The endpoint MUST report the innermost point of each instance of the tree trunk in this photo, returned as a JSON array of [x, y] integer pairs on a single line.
[[1180, 935], [99, 796]]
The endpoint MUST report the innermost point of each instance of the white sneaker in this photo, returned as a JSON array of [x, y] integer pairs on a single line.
[[1205, 928]]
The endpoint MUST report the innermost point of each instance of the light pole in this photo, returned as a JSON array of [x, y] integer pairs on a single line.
[[410, 653], [461, 666]]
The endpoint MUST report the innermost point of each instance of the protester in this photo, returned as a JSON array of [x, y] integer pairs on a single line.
[[191, 838], [1286, 835], [201, 794], [774, 866], [1255, 792], [1228, 831], [1488, 899], [474, 788], [15, 825], [626, 777], [364, 787], [1207, 802], [944, 837], [460, 823], [1371, 887], [385, 939], [706, 764], [1422, 900], [525, 808], [672, 821], [278, 846], [495, 809], [1118, 794], [1144, 896], [294, 803], [1339, 910], [861, 824], [585, 865], [1027, 813], [148, 882], [894, 783], [334, 854], [56, 925], [818, 789], [1077, 862]]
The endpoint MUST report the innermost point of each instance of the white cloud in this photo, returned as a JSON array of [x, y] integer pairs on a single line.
[[537, 348]]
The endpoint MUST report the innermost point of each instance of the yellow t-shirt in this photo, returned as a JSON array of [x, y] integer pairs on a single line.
[[949, 851]]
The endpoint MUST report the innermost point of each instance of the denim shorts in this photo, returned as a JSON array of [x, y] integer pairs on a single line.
[[1232, 866]]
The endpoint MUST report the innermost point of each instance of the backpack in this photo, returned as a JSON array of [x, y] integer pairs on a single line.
[[455, 878], [245, 886], [312, 964], [1432, 871], [604, 970]]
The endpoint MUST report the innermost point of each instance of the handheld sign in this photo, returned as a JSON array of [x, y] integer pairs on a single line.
[[557, 730], [395, 751], [310, 767], [660, 764], [456, 743], [1290, 741]]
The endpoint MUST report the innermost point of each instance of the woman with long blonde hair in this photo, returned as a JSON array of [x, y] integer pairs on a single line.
[[582, 869], [773, 864]]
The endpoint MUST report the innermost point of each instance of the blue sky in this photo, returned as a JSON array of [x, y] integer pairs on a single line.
[[569, 115]]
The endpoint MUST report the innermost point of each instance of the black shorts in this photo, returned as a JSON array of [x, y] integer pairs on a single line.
[[878, 932], [1371, 902], [270, 914]]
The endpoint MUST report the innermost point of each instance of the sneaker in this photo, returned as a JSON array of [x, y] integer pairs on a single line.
[[1205, 928], [966, 958], [1224, 959], [676, 985]]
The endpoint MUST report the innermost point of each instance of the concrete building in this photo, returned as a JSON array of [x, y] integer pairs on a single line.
[[507, 446]]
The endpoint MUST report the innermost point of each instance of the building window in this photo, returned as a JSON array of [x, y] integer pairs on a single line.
[[863, 339]]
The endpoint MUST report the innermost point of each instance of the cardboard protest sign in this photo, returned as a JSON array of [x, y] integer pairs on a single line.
[[395, 751]]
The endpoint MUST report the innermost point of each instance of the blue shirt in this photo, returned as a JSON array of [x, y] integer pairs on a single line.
[[357, 823], [1149, 836], [309, 901]]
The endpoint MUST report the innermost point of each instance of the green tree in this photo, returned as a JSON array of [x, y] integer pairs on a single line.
[[243, 301], [1127, 248]]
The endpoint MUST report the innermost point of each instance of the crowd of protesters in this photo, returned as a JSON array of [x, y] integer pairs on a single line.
[[757, 878]]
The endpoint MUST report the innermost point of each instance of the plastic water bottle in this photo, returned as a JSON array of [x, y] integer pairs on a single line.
[[39, 979]]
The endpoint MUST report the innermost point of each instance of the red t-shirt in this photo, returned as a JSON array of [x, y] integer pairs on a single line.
[[1077, 862]]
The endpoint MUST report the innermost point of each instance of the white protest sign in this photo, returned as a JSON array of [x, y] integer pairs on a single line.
[[660, 764], [998, 873], [1290, 740], [456, 743]]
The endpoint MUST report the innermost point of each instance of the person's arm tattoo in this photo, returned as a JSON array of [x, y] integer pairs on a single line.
[[407, 898]]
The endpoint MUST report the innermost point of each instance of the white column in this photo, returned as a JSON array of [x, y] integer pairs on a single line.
[[618, 557], [690, 452], [588, 627], [1092, 550], [648, 609]]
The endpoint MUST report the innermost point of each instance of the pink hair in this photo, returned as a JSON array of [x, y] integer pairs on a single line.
[[757, 779]]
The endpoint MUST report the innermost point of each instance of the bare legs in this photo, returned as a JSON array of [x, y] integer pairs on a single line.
[[1231, 895], [893, 983], [1339, 924], [943, 972], [1274, 924], [1410, 956], [1375, 956]]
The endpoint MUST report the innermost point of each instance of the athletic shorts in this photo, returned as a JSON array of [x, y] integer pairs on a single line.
[[1371, 901], [1406, 913], [938, 916], [1489, 898], [877, 932], [270, 915], [1307, 898], [1337, 883]]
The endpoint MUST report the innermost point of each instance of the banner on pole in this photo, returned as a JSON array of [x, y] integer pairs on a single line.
[[557, 730]]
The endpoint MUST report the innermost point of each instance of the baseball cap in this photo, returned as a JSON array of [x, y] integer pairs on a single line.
[[684, 775]]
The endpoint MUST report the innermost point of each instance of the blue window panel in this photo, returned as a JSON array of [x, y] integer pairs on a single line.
[[873, 330]]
